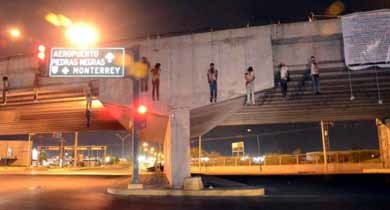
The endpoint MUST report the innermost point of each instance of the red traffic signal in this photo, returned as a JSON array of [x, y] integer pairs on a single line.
[[142, 109], [140, 116]]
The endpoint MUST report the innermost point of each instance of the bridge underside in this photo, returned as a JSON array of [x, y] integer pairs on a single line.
[[58, 109]]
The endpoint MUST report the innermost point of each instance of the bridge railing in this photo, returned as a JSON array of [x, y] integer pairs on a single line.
[[363, 156]]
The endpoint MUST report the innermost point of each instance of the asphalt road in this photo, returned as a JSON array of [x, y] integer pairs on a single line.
[[26, 192]]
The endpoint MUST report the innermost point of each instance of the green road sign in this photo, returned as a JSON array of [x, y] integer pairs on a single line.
[[93, 62]]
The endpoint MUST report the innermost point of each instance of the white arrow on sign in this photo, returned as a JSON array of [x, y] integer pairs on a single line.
[[54, 69], [65, 70], [109, 57]]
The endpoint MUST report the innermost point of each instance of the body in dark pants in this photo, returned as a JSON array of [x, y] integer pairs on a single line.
[[213, 91], [156, 89], [284, 87], [212, 77], [316, 83], [315, 75], [145, 78], [5, 89], [156, 81]]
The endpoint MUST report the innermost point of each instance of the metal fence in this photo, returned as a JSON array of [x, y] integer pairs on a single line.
[[364, 156]]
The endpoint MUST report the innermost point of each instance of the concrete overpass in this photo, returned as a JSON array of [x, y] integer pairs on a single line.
[[184, 111]]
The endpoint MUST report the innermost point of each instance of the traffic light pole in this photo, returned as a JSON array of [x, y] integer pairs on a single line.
[[134, 133]]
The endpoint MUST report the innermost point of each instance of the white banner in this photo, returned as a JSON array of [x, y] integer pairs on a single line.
[[367, 39]]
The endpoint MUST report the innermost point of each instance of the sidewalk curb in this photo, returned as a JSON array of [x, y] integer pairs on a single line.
[[246, 192]]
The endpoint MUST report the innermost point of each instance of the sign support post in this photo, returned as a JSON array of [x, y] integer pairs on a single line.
[[135, 137]]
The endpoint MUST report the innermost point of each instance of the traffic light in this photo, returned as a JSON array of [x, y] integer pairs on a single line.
[[142, 110], [41, 56], [140, 116], [41, 53]]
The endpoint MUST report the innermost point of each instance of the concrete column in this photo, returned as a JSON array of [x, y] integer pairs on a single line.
[[105, 153], [324, 134], [75, 152], [177, 147], [62, 152], [29, 153], [199, 152], [384, 143]]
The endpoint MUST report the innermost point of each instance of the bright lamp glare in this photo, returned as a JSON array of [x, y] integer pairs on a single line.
[[142, 109], [41, 48], [82, 35], [97, 104], [14, 32], [41, 56]]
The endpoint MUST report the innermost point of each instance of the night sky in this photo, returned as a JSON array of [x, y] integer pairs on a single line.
[[127, 19], [286, 138]]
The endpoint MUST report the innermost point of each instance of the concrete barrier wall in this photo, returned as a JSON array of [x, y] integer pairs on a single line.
[[286, 169], [19, 70], [294, 43], [185, 61]]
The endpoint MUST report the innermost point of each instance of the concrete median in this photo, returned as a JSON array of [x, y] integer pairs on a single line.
[[237, 192]]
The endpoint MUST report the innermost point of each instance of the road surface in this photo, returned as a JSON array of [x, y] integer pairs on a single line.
[[26, 192]]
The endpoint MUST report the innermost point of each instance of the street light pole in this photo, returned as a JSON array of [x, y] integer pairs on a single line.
[[324, 134], [258, 145], [29, 159], [123, 138], [123, 147], [75, 148], [258, 149], [135, 137], [200, 152]]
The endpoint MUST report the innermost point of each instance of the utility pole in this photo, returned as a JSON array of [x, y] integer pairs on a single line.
[[123, 138], [258, 145], [258, 149], [75, 151], [30, 135], [325, 141], [200, 152], [105, 153], [62, 152]]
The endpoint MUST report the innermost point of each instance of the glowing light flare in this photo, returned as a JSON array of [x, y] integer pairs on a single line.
[[259, 159], [41, 48], [41, 52], [142, 109], [244, 158], [96, 104], [136, 69], [41, 56], [58, 20], [14, 33], [82, 35], [335, 9]]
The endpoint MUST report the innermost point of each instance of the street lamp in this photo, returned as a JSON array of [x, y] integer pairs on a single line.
[[123, 138], [14, 33], [82, 35]]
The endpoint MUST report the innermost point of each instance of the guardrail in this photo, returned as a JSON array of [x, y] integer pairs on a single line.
[[298, 159]]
